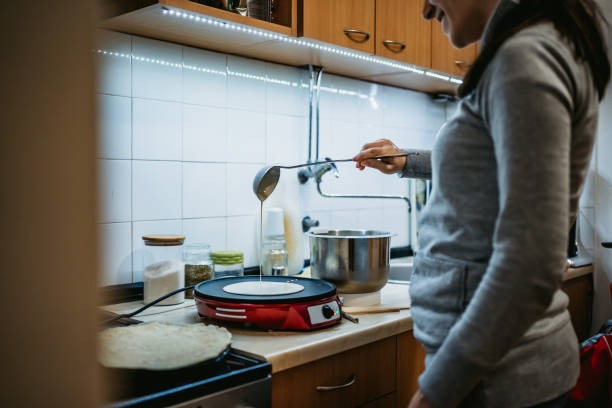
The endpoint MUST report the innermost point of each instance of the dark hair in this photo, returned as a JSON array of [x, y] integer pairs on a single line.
[[578, 21]]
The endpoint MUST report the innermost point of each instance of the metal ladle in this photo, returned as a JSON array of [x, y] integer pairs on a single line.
[[267, 178]]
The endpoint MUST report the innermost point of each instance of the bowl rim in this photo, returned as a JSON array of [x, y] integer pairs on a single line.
[[368, 234]]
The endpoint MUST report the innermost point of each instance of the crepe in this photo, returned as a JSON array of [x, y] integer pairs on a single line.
[[161, 346], [265, 288]]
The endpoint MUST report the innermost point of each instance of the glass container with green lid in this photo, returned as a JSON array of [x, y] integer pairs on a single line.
[[228, 263]]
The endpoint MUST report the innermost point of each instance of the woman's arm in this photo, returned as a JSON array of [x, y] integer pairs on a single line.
[[528, 105], [417, 164]]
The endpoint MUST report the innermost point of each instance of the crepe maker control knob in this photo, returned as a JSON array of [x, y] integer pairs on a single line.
[[327, 311]]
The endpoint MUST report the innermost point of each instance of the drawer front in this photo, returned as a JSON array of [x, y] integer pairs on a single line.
[[348, 379]]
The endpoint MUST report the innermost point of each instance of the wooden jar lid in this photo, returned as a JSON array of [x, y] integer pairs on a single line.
[[163, 239]]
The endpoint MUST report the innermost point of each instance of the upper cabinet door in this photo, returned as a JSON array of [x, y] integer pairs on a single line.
[[348, 23], [401, 33], [446, 58]]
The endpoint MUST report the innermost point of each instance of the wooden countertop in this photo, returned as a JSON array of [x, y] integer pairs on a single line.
[[287, 349]]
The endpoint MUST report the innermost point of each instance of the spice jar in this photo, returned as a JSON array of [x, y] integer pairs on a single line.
[[164, 271], [198, 265], [228, 263]]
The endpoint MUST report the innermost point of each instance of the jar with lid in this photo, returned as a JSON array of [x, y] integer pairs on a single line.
[[228, 263], [275, 256], [198, 265], [164, 269]]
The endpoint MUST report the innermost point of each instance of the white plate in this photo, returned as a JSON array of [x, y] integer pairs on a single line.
[[264, 288]]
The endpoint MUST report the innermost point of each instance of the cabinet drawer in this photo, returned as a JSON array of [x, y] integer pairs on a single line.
[[401, 33], [348, 379], [348, 23]]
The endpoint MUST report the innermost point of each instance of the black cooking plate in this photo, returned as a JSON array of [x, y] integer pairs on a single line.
[[131, 382], [314, 289]]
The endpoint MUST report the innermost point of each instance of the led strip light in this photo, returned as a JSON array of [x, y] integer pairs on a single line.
[[306, 43], [267, 79]]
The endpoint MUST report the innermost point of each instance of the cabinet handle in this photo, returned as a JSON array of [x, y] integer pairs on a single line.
[[606, 244], [352, 33], [350, 381], [394, 46], [463, 64]]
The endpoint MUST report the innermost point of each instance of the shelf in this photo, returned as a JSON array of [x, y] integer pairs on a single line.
[[193, 24]]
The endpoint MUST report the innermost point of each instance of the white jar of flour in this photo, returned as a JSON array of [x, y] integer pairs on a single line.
[[164, 270]]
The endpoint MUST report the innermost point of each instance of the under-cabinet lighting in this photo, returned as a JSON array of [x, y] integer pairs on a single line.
[[311, 44], [229, 72]]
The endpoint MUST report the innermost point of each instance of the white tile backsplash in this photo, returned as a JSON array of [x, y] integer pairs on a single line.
[[156, 190], [193, 127], [204, 186], [246, 88], [116, 246], [246, 133], [115, 190], [114, 127], [157, 130], [204, 77], [113, 59], [287, 139], [157, 70], [241, 199], [286, 93], [211, 231], [242, 235], [204, 134]]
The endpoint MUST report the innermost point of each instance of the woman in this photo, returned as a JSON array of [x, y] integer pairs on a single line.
[[507, 172]]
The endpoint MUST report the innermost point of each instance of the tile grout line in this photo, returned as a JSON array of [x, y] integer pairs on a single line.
[[132, 249]]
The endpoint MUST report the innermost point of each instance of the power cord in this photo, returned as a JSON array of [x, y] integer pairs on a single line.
[[148, 305]]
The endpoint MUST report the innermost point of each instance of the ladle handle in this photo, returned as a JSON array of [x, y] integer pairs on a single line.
[[389, 156]]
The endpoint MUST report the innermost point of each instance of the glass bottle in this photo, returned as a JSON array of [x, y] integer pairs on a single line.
[[275, 258]]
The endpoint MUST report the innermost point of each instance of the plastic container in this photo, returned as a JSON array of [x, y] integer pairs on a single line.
[[275, 256], [164, 269], [228, 263], [198, 265]]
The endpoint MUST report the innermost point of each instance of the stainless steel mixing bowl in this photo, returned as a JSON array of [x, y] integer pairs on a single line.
[[356, 261]]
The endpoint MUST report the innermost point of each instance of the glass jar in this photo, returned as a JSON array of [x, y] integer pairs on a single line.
[[164, 269], [198, 265], [228, 263], [275, 258]]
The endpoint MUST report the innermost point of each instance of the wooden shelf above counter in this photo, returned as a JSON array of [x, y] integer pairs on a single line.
[[188, 23]]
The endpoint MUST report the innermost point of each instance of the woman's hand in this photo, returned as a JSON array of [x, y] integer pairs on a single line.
[[419, 401], [380, 147]]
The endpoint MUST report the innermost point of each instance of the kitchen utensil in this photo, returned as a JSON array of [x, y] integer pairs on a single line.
[[314, 307], [350, 317], [372, 309], [266, 179], [356, 261]]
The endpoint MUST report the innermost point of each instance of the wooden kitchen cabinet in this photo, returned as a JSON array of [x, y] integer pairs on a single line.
[[401, 33], [580, 293], [347, 23], [446, 58], [378, 375]]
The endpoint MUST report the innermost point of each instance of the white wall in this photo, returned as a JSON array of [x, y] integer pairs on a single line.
[[183, 131]]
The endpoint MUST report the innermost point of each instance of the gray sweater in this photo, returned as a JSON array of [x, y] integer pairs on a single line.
[[507, 172]]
